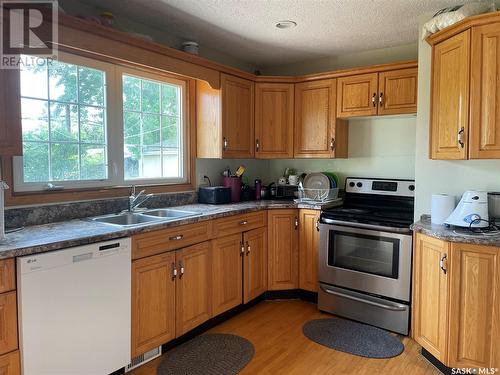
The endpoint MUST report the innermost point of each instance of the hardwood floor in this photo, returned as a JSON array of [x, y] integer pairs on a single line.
[[275, 329]]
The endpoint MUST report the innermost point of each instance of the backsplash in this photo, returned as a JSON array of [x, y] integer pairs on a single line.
[[25, 216]]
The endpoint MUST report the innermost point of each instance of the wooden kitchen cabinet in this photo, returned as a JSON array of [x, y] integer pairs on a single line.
[[308, 249], [255, 263], [430, 295], [10, 364], [274, 110], [227, 290], [7, 275], [474, 330], [153, 302], [397, 91], [10, 113], [317, 131], [8, 322], [283, 256], [225, 118], [193, 287], [484, 138], [450, 98], [357, 95]]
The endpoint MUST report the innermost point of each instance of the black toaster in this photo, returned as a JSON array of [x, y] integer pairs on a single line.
[[214, 195]]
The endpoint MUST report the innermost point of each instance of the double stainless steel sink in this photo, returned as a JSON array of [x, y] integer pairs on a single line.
[[130, 219]]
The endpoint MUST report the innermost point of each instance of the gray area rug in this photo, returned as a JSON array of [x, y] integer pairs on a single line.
[[214, 353], [354, 338]]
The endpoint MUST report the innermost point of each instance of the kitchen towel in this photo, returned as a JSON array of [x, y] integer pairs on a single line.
[[441, 207]]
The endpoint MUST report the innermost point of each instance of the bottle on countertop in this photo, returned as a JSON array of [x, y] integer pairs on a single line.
[[258, 186]]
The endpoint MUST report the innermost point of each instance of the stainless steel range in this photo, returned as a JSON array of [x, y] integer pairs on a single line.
[[366, 251]]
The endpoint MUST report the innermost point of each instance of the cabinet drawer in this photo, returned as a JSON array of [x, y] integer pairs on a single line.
[[147, 244], [7, 275], [239, 223]]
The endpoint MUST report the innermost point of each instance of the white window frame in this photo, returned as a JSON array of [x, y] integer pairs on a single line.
[[114, 133]]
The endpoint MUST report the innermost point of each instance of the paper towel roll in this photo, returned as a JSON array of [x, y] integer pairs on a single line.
[[442, 206]]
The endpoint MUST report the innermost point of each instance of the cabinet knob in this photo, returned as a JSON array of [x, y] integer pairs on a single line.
[[248, 248], [242, 250], [174, 271], [380, 101], [332, 144], [442, 263], [374, 98], [317, 225], [296, 223], [181, 267], [244, 222], [257, 145], [460, 137], [176, 238], [225, 143]]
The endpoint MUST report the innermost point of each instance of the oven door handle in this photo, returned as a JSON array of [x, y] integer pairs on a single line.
[[392, 307], [366, 226]]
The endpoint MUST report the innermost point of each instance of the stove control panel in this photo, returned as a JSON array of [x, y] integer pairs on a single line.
[[403, 188]]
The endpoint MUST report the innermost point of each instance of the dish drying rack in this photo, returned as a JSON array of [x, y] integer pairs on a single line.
[[318, 196]]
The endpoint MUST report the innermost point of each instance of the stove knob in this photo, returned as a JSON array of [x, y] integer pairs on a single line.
[[359, 184], [411, 187], [351, 184]]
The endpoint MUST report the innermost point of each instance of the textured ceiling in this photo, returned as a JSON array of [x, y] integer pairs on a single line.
[[246, 29]]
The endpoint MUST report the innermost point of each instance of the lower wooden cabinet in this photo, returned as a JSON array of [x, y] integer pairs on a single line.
[[283, 238], [193, 287], [308, 249], [456, 302], [8, 322], [255, 263], [153, 302], [10, 363], [227, 273]]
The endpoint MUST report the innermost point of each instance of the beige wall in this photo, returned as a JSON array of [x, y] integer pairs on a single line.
[[435, 176]]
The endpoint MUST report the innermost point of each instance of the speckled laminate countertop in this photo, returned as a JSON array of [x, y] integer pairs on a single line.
[[425, 226], [54, 236]]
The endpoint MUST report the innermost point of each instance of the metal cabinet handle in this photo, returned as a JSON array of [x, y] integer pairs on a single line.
[[389, 306], [374, 98], [317, 225], [174, 271], [181, 268], [176, 238], [248, 248], [442, 263], [242, 249], [332, 144], [244, 222], [225, 143], [257, 144], [460, 137], [380, 101], [296, 222]]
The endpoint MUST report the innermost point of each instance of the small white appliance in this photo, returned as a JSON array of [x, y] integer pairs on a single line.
[[74, 309], [471, 211]]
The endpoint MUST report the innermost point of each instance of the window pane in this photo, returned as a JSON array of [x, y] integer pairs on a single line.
[[131, 162], [150, 96], [170, 163], [64, 122], [170, 100], [36, 161], [35, 120], [91, 86], [151, 130], [62, 82], [92, 129], [34, 80], [132, 128], [64, 161], [131, 93], [170, 131], [150, 163], [93, 162]]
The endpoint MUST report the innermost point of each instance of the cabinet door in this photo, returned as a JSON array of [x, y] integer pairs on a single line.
[[397, 91], [10, 364], [357, 95], [227, 273], [153, 302], [450, 98], [474, 332], [237, 117], [255, 263], [316, 133], [208, 121], [283, 236], [485, 92], [193, 287], [274, 120], [8, 322], [10, 113], [308, 249], [430, 295]]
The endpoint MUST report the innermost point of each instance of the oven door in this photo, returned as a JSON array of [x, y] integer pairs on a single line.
[[366, 260]]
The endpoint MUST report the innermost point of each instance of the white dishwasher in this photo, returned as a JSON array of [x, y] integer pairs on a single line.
[[74, 309]]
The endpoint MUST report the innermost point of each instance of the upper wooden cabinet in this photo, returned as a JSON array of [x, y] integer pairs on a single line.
[[456, 292], [225, 119], [390, 92], [274, 108], [10, 113], [450, 98], [318, 133]]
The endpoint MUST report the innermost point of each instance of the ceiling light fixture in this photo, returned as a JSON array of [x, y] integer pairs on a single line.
[[286, 24]]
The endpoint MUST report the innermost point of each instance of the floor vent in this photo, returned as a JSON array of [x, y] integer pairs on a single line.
[[143, 358]]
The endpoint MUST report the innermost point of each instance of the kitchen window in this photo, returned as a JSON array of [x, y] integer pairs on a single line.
[[87, 123]]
